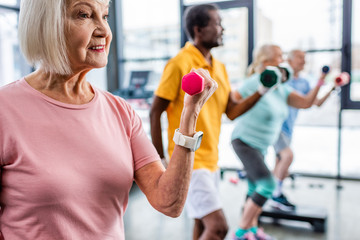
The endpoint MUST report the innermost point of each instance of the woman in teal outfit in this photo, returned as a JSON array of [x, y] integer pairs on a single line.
[[258, 129]]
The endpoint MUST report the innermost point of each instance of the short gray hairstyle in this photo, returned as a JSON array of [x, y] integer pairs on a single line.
[[42, 34], [293, 52]]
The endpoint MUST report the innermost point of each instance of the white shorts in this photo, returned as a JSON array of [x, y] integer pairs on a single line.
[[203, 196]]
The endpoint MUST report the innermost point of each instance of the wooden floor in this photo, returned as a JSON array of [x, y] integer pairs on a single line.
[[342, 207]]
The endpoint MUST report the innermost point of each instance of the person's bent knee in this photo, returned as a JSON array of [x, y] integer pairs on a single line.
[[258, 199], [265, 187], [219, 229], [223, 230], [215, 231], [287, 155]]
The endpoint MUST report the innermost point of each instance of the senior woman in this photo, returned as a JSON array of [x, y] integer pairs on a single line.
[[258, 129], [70, 152]]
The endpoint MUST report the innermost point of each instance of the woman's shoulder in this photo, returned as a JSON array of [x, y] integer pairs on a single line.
[[108, 96], [12, 92], [11, 96], [11, 88], [115, 102]]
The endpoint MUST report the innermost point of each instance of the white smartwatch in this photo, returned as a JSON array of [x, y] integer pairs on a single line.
[[193, 143]]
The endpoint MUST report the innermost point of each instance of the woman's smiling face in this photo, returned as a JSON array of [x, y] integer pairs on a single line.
[[88, 35]]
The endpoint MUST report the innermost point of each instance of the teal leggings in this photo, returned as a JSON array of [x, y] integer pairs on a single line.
[[260, 180], [264, 187]]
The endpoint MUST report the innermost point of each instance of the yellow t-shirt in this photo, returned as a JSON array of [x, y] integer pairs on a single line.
[[209, 120]]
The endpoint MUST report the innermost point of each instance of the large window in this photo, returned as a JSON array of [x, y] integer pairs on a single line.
[[8, 2], [150, 38], [303, 24], [12, 64], [234, 52], [319, 33], [355, 72], [317, 28]]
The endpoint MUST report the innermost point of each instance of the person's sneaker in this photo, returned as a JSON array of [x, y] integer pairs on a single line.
[[261, 235], [282, 203], [246, 236]]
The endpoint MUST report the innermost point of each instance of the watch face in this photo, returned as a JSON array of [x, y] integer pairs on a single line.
[[198, 142]]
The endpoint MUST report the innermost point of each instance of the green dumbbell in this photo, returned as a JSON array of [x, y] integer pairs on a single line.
[[270, 76], [286, 70]]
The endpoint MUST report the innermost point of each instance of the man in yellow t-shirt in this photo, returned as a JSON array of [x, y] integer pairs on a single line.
[[203, 26]]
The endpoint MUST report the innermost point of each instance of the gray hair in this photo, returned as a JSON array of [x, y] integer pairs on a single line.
[[293, 52], [41, 34]]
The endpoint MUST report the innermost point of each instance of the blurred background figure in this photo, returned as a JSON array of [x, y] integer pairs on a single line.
[[284, 154], [203, 27], [258, 129]]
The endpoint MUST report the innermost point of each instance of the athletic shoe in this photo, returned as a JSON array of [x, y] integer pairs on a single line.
[[282, 203], [246, 236], [261, 235]]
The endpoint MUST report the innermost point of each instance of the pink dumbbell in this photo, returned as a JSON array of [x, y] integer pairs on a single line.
[[342, 79], [192, 83]]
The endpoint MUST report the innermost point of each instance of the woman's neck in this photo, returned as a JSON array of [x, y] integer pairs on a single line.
[[72, 89]]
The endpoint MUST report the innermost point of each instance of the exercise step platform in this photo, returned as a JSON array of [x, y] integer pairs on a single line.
[[241, 172], [316, 216]]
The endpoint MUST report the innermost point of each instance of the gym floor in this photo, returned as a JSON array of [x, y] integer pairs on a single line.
[[341, 206]]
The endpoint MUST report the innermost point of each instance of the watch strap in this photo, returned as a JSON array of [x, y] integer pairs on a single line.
[[185, 141]]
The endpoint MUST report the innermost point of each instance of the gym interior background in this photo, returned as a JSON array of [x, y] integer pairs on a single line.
[[148, 33]]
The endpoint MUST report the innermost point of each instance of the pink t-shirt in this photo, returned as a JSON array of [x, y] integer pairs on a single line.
[[67, 169]]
